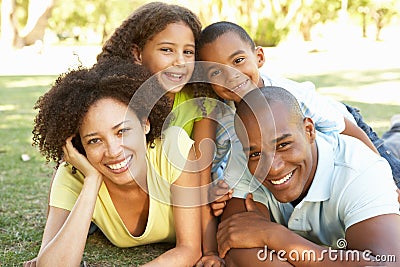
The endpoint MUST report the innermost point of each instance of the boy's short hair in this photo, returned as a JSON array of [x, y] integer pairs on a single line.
[[217, 29]]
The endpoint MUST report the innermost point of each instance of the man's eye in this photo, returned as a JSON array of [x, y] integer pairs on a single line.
[[255, 154], [283, 145]]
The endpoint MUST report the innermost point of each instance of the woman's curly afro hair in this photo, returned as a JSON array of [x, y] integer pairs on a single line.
[[61, 110]]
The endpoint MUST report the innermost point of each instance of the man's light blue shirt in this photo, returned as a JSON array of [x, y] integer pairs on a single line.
[[351, 184]]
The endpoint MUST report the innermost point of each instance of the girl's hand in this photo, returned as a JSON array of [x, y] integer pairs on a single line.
[[79, 161], [212, 260]]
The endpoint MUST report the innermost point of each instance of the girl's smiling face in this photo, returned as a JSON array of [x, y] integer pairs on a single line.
[[114, 141], [171, 54]]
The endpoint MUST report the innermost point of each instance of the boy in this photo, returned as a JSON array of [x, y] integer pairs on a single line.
[[320, 192], [237, 72], [392, 136]]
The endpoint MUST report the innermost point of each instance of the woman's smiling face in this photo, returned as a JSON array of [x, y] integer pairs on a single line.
[[114, 141]]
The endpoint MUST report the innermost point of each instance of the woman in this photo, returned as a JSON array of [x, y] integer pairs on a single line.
[[121, 167]]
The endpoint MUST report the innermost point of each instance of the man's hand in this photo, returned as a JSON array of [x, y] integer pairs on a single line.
[[243, 230], [218, 195]]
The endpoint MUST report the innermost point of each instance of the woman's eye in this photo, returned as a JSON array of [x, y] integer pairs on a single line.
[[93, 141]]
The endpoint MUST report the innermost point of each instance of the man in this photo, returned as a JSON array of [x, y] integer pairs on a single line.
[[318, 193]]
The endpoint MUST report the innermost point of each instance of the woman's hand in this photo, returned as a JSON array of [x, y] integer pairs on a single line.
[[79, 161]]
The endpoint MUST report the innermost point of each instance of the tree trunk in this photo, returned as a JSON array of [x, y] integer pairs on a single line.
[[8, 25], [38, 13]]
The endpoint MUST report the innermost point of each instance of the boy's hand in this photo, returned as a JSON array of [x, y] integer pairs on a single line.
[[211, 261], [218, 195]]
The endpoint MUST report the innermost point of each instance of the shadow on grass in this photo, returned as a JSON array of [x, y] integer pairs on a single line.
[[99, 248]]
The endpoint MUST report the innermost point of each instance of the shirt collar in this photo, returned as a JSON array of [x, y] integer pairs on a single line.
[[320, 189]]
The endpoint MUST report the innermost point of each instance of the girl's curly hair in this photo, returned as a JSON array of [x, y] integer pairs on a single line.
[[61, 110], [143, 24]]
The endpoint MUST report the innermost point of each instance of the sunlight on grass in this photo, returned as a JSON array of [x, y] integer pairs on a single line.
[[26, 82], [7, 107], [378, 92]]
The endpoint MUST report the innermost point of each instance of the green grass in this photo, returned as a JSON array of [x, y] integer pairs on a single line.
[[24, 184], [375, 92]]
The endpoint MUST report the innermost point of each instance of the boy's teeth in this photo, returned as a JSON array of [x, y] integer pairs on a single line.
[[119, 165], [281, 181]]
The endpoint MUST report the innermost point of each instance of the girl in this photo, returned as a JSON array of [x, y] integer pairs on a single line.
[[121, 172], [162, 38]]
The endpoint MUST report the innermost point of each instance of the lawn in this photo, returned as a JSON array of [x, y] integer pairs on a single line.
[[24, 184]]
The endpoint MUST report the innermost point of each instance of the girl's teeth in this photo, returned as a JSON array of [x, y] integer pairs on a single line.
[[283, 180], [239, 86], [174, 75], [119, 165]]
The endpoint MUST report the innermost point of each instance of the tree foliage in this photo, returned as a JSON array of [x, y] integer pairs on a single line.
[[268, 21], [378, 12], [82, 18]]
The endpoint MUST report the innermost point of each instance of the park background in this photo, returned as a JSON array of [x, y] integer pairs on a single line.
[[348, 48]]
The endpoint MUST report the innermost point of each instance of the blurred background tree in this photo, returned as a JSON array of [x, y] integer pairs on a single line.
[[26, 22], [380, 13]]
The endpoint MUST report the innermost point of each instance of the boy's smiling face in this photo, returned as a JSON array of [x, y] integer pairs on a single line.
[[237, 72]]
